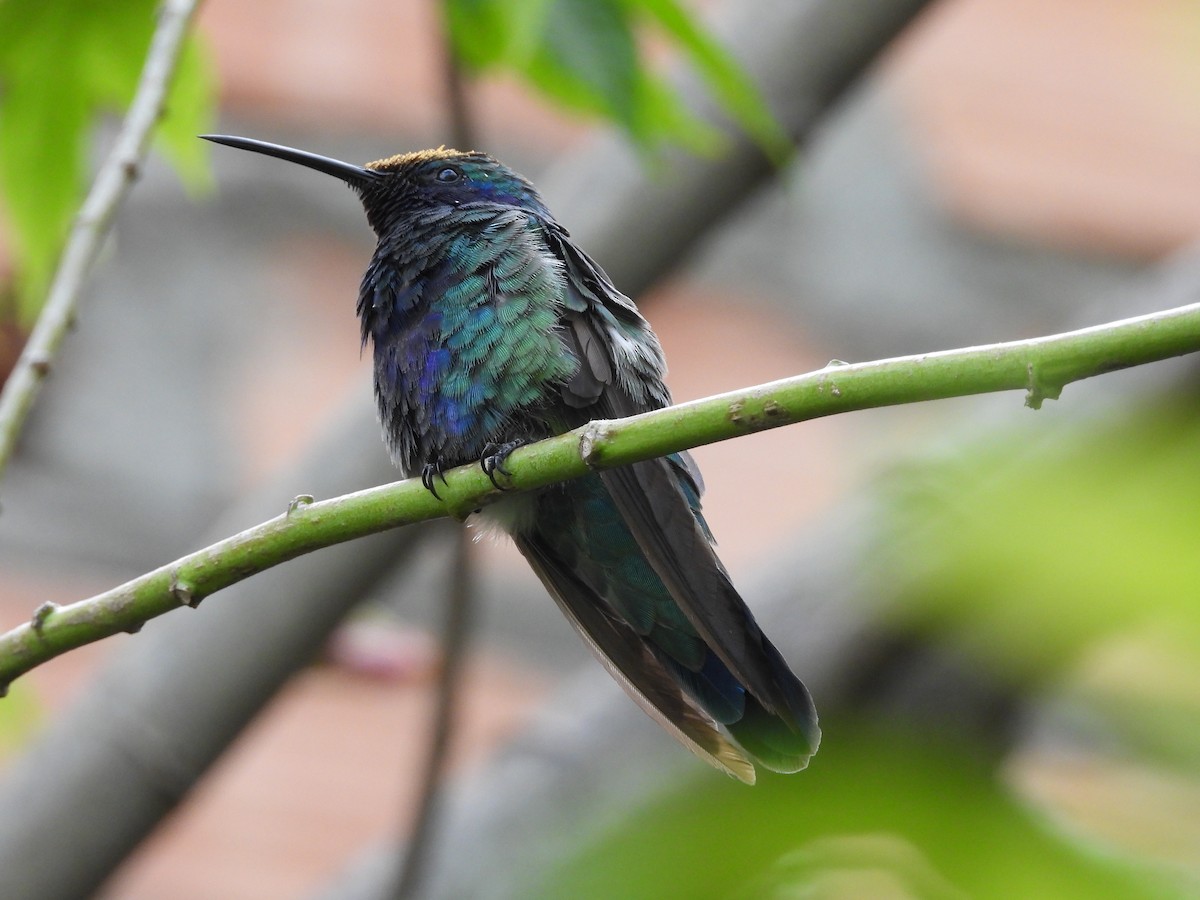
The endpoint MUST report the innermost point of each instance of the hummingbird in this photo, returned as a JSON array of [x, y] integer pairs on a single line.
[[490, 329]]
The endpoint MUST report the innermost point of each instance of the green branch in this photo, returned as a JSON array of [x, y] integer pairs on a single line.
[[1040, 367]]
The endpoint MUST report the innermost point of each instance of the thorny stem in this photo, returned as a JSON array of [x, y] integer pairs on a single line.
[[1039, 366], [113, 183]]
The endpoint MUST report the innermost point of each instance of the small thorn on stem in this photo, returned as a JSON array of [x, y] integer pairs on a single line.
[[591, 443], [184, 593], [299, 501], [736, 411], [1038, 389], [41, 614], [134, 628]]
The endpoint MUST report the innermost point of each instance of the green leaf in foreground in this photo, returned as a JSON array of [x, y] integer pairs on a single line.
[[20, 722], [586, 56], [882, 812], [62, 64], [737, 94], [1028, 553]]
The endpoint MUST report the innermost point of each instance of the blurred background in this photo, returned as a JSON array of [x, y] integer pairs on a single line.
[[997, 609]]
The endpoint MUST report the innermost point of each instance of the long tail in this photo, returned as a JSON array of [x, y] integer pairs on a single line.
[[630, 562]]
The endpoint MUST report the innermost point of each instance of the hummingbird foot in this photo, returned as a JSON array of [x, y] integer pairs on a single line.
[[493, 459], [430, 472]]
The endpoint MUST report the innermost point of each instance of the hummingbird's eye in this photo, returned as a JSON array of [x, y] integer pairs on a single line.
[[448, 175]]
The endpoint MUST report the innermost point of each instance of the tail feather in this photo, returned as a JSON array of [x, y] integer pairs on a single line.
[[630, 660], [590, 558], [770, 741], [671, 534]]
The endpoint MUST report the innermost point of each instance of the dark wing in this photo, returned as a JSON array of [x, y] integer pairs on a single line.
[[677, 547], [613, 342], [621, 374], [628, 659]]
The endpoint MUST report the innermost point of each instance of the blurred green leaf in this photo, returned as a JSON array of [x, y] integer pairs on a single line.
[[733, 88], [661, 116], [19, 716], [62, 64], [588, 58], [1027, 556], [880, 812], [1144, 684], [1064, 560], [191, 109], [585, 55], [489, 33]]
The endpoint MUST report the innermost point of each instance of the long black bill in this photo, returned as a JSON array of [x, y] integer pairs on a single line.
[[354, 176]]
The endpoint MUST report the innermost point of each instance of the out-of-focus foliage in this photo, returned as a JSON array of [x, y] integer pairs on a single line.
[[1030, 556], [1068, 566], [19, 715], [880, 812], [63, 64], [585, 55]]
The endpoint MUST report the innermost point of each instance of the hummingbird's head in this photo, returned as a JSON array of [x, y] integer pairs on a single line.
[[408, 184]]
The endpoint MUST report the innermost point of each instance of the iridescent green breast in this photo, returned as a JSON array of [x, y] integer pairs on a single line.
[[478, 357]]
